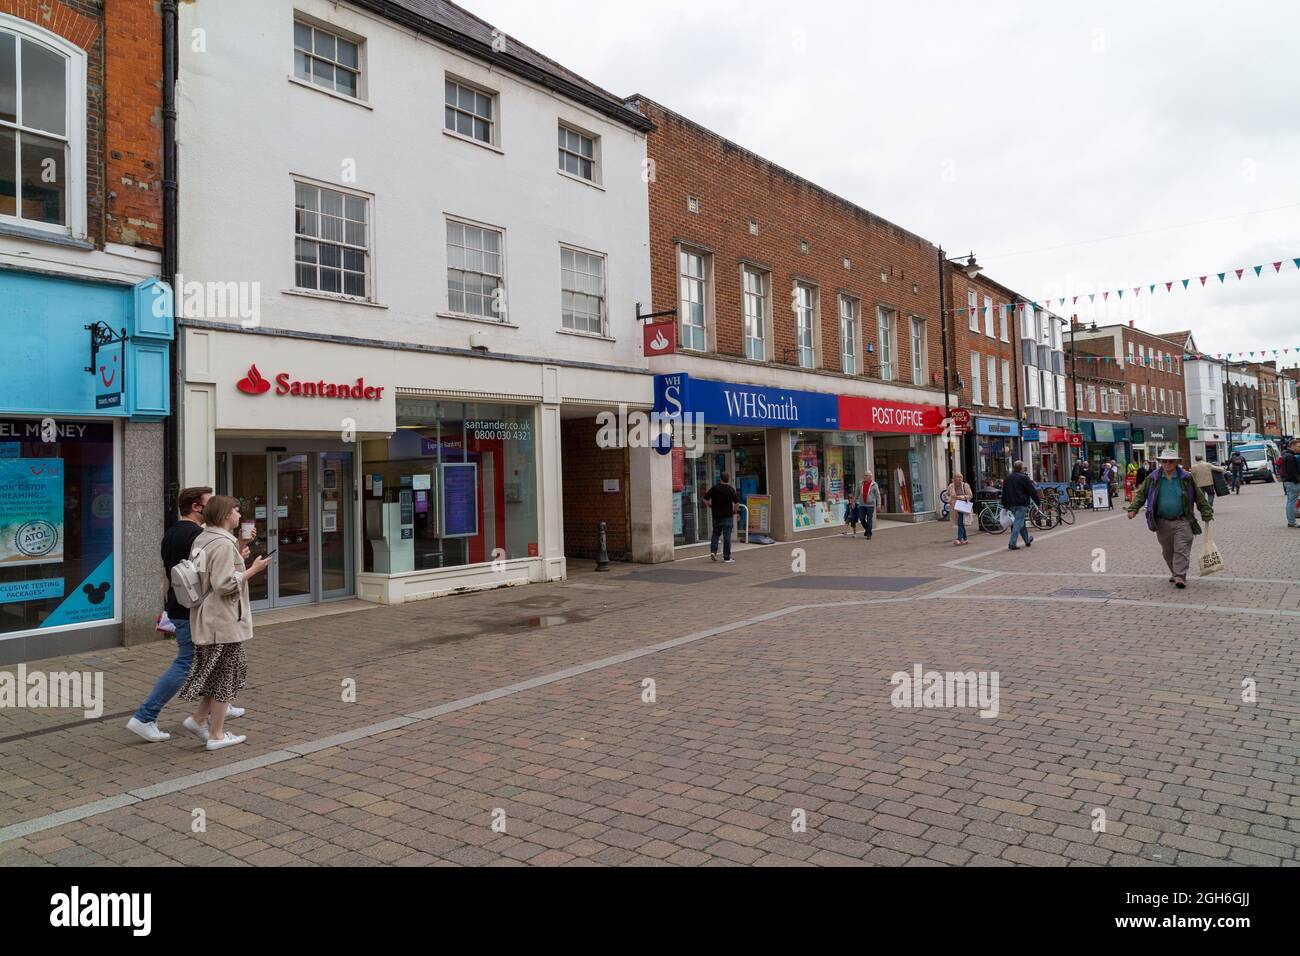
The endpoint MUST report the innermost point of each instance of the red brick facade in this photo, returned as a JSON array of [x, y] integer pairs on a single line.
[[970, 336], [586, 503], [1162, 369], [753, 213], [122, 40]]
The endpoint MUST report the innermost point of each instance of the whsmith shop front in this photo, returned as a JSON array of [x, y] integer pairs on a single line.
[[794, 456]]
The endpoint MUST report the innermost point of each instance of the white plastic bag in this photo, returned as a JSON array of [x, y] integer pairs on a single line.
[[1211, 558], [1006, 519]]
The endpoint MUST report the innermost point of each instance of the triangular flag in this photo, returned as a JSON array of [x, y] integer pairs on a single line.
[[1203, 278], [1092, 296], [1061, 302], [1152, 289], [1277, 266], [1169, 286], [1239, 272], [1297, 263], [1137, 290], [1121, 293], [1258, 270], [1074, 301], [1106, 295], [1221, 275]]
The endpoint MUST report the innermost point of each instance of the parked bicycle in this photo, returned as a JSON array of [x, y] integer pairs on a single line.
[[1059, 505]]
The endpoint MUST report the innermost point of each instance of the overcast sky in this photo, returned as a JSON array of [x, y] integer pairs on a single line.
[[1022, 131]]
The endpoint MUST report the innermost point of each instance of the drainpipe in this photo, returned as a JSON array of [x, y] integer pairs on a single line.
[[171, 430]]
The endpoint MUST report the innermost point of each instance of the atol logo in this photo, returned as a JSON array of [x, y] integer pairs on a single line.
[[660, 338], [253, 383]]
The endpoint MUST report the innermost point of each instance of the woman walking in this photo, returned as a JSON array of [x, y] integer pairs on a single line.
[[959, 491], [220, 625]]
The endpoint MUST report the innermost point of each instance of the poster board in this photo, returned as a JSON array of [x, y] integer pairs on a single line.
[[760, 513], [31, 511], [458, 499]]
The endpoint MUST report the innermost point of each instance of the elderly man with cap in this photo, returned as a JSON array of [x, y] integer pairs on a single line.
[[1172, 499]]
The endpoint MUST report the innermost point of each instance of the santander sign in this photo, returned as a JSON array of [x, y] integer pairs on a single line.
[[255, 384]]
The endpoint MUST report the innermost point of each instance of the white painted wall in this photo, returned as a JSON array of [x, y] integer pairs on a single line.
[[245, 127]]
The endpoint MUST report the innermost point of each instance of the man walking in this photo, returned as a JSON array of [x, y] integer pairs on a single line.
[[1238, 465], [1203, 474], [1017, 493], [868, 502], [1291, 480], [1172, 499], [724, 501], [176, 545]]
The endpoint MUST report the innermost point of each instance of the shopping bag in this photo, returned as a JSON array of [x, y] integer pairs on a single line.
[[965, 507], [1006, 519], [1211, 557]]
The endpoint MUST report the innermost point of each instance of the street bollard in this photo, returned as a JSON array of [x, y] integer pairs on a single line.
[[602, 555]]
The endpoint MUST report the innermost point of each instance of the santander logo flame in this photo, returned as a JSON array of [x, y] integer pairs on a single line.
[[658, 343], [253, 383]]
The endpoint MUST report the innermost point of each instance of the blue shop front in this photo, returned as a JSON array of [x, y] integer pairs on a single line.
[[83, 360]]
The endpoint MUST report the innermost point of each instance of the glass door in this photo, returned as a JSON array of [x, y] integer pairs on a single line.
[[248, 483], [293, 568], [335, 524]]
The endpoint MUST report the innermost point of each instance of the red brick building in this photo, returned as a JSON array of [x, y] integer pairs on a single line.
[[789, 296]]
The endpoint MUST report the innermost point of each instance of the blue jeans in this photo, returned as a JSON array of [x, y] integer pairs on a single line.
[[961, 526], [868, 519], [1292, 490], [171, 681], [722, 527], [1018, 525]]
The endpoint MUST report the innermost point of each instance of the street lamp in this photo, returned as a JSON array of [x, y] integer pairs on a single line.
[[972, 269]]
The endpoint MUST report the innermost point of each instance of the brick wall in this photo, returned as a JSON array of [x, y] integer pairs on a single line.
[[133, 122], [1154, 377], [965, 341], [585, 467], [888, 266], [123, 44]]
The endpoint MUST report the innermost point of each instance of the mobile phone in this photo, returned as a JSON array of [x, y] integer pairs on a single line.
[[271, 553]]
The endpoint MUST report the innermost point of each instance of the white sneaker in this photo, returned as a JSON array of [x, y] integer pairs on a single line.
[[197, 729], [149, 731], [229, 740], [713, 557], [233, 711], [729, 561]]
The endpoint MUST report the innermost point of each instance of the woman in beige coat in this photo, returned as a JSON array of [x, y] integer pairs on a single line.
[[220, 625], [959, 491]]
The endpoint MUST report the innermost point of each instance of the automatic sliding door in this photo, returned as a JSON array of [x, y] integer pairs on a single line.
[[294, 529]]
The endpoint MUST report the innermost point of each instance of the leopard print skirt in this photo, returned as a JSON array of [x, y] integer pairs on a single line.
[[219, 671]]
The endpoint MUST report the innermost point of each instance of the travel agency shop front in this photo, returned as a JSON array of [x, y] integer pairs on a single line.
[[370, 482], [82, 400], [793, 455]]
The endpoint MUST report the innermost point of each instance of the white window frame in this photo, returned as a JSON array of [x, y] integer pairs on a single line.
[[989, 330], [1133, 387], [75, 122], [887, 337], [1006, 383], [1078, 396], [1048, 397], [1091, 391], [504, 287], [758, 315], [494, 124], [1031, 386], [603, 330], [804, 300], [991, 364], [972, 309], [1004, 323], [359, 42], [850, 337], [368, 250], [1105, 401], [1060, 394], [1145, 408], [594, 159], [705, 283], [920, 355], [976, 385]]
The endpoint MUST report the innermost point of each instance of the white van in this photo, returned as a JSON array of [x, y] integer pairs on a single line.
[[1260, 457]]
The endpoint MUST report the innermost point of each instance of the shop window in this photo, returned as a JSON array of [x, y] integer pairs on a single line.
[[904, 468], [827, 466], [742, 454], [455, 485], [57, 506]]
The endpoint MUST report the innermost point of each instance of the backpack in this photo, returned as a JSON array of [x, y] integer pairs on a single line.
[[189, 578]]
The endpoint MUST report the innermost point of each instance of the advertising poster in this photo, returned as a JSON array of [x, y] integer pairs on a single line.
[[677, 512], [760, 513], [458, 501], [679, 468], [809, 474], [834, 474], [31, 511]]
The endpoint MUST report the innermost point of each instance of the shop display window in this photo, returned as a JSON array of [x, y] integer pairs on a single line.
[[827, 466]]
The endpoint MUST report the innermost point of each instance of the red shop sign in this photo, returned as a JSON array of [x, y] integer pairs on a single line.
[[875, 415]]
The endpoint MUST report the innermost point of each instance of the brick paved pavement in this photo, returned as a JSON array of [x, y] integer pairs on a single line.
[[1127, 701]]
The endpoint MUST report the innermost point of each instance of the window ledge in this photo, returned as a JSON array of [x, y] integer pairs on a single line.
[[472, 141], [586, 335], [578, 179], [459, 317], [16, 231], [329, 297], [297, 81]]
